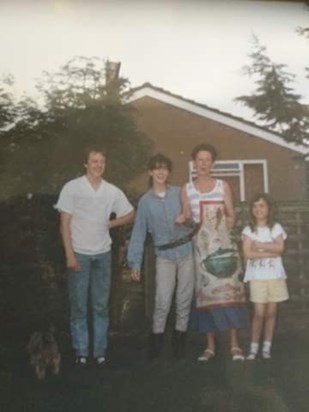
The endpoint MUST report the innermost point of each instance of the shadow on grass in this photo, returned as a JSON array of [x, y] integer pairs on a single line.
[[129, 382]]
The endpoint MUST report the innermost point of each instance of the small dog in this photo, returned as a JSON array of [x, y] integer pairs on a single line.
[[44, 353]]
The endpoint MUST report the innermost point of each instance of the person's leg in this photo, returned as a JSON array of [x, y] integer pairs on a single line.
[[233, 338], [165, 285], [277, 292], [100, 289], [236, 351], [256, 328], [211, 342], [270, 322], [78, 284], [259, 297], [210, 350], [184, 292]]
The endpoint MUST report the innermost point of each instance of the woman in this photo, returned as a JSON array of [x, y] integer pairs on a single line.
[[219, 293], [156, 213]]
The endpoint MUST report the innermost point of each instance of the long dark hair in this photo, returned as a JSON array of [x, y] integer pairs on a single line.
[[157, 161], [271, 217]]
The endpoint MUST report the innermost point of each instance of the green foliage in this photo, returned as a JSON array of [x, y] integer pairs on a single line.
[[32, 267], [44, 147], [6, 102], [274, 103]]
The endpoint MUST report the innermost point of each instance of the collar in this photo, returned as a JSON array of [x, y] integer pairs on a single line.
[[153, 193]]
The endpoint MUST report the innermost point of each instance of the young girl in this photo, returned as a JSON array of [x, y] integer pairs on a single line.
[[156, 213], [263, 244]]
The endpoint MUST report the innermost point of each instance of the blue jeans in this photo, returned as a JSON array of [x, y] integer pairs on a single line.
[[95, 274]]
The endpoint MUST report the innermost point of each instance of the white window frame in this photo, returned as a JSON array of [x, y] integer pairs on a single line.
[[236, 168]]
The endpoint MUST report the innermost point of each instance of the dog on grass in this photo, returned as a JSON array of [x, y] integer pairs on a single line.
[[44, 353]]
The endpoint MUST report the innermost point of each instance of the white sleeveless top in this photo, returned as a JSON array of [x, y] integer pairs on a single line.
[[195, 197]]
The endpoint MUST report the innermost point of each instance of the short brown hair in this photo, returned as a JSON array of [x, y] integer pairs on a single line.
[[93, 149], [204, 147], [159, 160]]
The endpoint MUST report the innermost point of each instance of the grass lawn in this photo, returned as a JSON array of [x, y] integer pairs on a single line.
[[129, 382]]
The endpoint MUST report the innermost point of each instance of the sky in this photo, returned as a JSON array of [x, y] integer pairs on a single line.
[[192, 48]]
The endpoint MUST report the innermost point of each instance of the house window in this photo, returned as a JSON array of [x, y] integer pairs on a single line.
[[245, 177]]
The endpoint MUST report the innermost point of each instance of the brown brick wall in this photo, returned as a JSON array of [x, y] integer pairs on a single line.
[[176, 131]]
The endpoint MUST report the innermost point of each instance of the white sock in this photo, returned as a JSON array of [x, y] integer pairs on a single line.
[[266, 346], [254, 347]]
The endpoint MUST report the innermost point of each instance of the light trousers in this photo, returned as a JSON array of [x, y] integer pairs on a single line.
[[170, 274]]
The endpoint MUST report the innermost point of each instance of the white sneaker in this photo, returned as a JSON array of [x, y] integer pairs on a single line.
[[251, 356], [81, 361], [237, 354], [100, 360], [266, 354]]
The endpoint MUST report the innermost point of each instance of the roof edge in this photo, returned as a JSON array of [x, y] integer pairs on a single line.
[[149, 90]]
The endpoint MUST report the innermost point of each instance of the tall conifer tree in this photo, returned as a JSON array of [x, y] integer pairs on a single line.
[[274, 101]]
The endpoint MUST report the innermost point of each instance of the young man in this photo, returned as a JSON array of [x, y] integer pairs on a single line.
[[86, 204], [157, 212]]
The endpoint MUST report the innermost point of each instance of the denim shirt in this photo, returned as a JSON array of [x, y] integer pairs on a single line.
[[157, 215]]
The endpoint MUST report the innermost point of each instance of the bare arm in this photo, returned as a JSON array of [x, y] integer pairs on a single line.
[[121, 221], [137, 241], [229, 207], [250, 252], [65, 230], [277, 246], [186, 214]]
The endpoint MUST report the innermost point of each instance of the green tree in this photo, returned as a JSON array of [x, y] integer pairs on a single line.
[[7, 114], [77, 109], [7, 107], [274, 101]]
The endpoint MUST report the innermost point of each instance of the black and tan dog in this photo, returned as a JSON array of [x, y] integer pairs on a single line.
[[44, 353]]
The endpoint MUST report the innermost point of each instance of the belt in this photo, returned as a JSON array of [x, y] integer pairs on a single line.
[[177, 242]]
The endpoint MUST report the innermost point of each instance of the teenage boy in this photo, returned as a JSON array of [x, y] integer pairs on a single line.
[[86, 204], [156, 213]]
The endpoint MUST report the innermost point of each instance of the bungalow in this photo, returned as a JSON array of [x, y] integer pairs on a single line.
[[251, 158]]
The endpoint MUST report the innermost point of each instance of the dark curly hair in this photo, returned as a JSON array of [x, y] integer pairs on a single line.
[[204, 147]]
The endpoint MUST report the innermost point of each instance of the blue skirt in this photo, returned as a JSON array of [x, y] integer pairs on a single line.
[[219, 319]]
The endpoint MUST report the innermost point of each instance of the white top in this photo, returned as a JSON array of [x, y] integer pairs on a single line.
[[264, 268], [195, 197], [90, 210]]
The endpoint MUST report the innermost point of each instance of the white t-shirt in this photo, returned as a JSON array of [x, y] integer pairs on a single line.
[[90, 210], [264, 268]]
